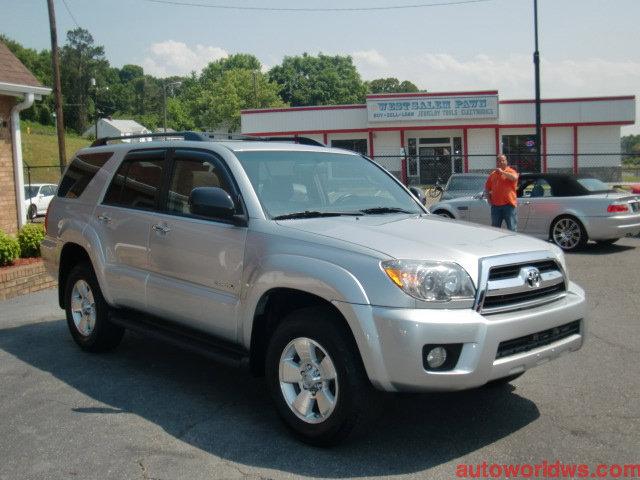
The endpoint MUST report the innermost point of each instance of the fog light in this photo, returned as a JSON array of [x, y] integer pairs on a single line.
[[436, 357]]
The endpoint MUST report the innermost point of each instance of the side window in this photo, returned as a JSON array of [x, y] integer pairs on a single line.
[[81, 171], [535, 188], [47, 190], [192, 170], [137, 182]]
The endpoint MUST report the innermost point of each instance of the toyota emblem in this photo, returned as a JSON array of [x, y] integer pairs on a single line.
[[532, 277]]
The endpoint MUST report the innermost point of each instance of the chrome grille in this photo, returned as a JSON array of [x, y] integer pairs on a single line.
[[520, 285]]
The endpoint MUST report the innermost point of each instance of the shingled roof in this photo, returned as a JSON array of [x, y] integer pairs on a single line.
[[13, 71]]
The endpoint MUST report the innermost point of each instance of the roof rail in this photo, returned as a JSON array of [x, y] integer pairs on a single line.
[[257, 138], [187, 136], [207, 137]]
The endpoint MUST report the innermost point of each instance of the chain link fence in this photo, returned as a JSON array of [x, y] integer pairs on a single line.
[[614, 168]]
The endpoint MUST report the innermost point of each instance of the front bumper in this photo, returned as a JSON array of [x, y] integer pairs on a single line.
[[392, 339]]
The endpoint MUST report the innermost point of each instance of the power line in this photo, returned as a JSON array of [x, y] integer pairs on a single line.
[[343, 9], [70, 14]]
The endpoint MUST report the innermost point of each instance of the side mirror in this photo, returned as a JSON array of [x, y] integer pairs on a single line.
[[418, 194], [212, 202]]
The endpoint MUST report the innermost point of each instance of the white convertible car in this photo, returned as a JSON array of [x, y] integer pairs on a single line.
[[566, 209]]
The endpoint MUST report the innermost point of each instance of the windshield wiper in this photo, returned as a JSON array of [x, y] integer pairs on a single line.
[[374, 210], [313, 214]]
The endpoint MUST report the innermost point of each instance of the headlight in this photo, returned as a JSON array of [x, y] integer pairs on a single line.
[[430, 281]]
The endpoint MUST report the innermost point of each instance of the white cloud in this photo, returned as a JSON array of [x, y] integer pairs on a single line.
[[369, 58], [177, 58]]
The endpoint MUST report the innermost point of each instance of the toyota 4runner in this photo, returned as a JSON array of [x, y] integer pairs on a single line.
[[313, 266]]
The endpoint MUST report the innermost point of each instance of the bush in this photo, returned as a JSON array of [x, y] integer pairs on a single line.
[[30, 237], [9, 249]]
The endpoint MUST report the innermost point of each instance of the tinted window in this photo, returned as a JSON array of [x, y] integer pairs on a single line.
[[535, 188], [47, 190], [81, 171], [189, 172], [137, 182]]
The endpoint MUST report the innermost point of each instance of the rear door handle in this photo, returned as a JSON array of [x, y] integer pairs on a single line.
[[104, 218], [161, 228]]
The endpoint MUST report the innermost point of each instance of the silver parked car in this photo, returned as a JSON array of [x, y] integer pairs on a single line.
[[463, 185], [310, 265], [567, 209]]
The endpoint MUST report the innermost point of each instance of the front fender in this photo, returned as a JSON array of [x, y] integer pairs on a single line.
[[318, 277]]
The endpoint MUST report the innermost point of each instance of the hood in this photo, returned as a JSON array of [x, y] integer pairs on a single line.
[[425, 237]]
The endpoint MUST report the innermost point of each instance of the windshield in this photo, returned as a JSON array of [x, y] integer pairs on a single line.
[[466, 183], [30, 192], [322, 182], [593, 184]]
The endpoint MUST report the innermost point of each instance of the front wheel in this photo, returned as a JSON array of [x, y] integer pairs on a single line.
[[88, 312], [316, 377], [568, 233], [32, 212]]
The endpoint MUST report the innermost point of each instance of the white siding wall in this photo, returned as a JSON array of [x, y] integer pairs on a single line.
[[295, 120], [569, 112], [481, 149], [605, 139], [388, 151], [559, 148]]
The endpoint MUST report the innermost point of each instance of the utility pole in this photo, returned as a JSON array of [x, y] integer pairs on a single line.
[[57, 88], [536, 63]]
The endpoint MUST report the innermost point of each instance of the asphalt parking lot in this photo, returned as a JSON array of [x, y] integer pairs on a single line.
[[150, 411]]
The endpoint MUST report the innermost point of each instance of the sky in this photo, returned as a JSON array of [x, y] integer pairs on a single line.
[[587, 47]]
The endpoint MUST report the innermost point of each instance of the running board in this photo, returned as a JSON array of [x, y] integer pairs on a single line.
[[182, 337]]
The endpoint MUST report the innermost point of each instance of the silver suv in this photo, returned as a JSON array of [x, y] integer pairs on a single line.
[[310, 265]]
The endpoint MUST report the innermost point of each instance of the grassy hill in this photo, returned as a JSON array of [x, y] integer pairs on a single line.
[[40, 151]]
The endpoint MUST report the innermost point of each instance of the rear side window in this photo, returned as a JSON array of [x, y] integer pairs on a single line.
[[137, 182], [81, 171]]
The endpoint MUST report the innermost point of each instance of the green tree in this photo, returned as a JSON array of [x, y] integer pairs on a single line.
[[81, 60], [237, 89], [322, 80], [390, 85]]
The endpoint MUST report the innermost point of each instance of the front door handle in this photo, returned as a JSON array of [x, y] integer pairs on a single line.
[[161, 228], [104, 218]]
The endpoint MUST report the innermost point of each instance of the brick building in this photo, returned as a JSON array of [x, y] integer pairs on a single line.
[[18, 90]]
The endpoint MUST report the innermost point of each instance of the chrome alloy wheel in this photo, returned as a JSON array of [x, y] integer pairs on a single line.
[[308, 380], [83, 308], [567, 233]]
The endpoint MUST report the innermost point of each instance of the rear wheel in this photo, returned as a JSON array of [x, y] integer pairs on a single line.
[[568, 233], [317, 379], [88, 312]]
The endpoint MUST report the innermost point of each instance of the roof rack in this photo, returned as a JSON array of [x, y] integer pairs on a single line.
[[187, 136], [208, 137]]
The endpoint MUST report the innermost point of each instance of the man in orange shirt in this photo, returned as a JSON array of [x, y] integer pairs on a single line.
[[501, 191]]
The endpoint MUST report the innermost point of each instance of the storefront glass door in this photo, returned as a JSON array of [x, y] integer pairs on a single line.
[[434, 162]]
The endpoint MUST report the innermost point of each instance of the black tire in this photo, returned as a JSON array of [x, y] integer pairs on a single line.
[[356, 400], [104, 335], [609, 241], [575, 243], [443, 213], [32, 212], [503, 381]]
